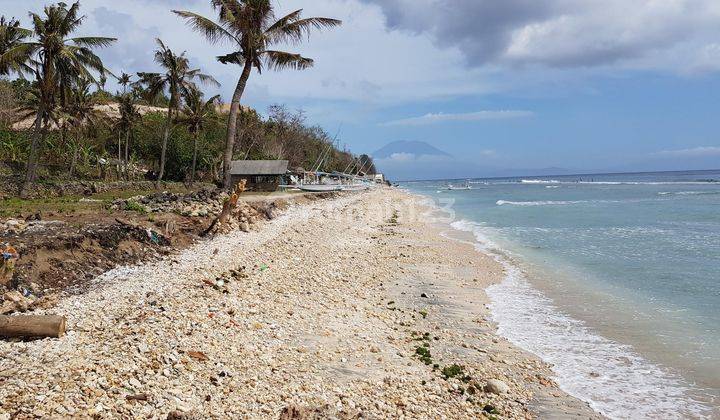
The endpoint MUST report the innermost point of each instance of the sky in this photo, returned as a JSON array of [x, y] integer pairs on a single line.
[[511, 86]]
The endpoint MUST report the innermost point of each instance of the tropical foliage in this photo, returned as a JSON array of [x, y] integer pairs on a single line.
[[176, 80], [57, 120], [250, 27]]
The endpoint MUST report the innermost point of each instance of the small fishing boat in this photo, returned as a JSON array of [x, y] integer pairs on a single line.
[[320, 187], [463, 187]]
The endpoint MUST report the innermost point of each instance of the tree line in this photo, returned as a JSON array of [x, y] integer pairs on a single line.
[[162, 117]]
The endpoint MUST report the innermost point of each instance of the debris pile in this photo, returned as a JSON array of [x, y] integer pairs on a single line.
[[201, 203]]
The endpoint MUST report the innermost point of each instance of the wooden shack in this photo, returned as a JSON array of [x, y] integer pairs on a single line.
[[261, 175]]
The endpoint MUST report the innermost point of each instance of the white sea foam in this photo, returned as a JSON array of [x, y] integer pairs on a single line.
[[688, 192], [612, 377], [539, 181], [555, 181], [537, 203]]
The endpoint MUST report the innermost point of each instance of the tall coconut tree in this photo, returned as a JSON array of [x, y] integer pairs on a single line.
[[81, 115], [252, 30], [55, 58], [129, 117], [124, 80], [11, 36], [195, 115], [178, 77]]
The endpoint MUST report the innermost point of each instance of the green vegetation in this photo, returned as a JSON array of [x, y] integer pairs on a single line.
[[57, 121], [135, 206], [394, 218], [455, 371], [69, 204], [423, 353]]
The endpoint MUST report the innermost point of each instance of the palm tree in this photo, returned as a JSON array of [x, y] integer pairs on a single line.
[[81, 114], [11, 36], [124, 80], [248, 25], [129, 116], [55, 59], [195, 115], [178, 77]]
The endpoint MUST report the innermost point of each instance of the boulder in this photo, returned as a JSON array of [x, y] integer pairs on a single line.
[[496, 386]]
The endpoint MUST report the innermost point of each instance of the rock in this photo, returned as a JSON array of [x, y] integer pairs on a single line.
[[496, 386], [14, 301]]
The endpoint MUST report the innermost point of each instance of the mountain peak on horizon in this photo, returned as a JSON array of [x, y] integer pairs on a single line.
[[416, 148]]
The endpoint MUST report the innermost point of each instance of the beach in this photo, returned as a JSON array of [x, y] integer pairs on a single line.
[[355, 306]]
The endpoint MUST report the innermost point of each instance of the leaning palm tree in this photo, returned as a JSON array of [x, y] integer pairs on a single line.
[[177, 78], [195, 114], [11, 36], [55, 59], [248, 26]]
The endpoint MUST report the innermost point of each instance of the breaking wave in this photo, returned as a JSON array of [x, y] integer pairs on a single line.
[[537, 203], [612, 377]]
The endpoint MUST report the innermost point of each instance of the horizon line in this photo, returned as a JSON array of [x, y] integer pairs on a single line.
[[551, 175]]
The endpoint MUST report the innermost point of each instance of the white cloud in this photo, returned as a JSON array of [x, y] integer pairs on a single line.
[[647, 34], [702, 151], [463, 117], [402, 157]]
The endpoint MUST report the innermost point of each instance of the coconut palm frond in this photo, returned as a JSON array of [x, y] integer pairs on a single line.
[[295, 30], [13, 53], [232, 58], [213, 32], [279, 60], [93, 41], [205, 79]]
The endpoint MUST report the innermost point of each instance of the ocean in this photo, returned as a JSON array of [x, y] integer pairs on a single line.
[[614, 279]]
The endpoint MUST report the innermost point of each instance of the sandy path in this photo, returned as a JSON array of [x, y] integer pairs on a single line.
[[329, 327]]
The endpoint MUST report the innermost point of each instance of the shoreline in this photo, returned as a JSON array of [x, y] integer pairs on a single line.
[[562, 341], [321, 312]]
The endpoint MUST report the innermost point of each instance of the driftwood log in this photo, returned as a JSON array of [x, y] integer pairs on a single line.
[[32, 326]]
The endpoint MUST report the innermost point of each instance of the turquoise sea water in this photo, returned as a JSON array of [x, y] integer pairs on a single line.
[[614, 278]]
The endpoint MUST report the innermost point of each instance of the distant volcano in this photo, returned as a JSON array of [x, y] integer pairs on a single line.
[[408, 148]]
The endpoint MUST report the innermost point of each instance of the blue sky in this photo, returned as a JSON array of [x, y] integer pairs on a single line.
[[587, 85]]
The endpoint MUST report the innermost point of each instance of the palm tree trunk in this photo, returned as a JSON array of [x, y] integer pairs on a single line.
[[163, 151], [118, 167], [194, 161], [127, 155], [232, 122], [37, 138], [74, 160]]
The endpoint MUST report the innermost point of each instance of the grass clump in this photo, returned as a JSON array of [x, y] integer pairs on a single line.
[[394, 218], [455, 371], [135, 206], [423, 353], [452, 371]]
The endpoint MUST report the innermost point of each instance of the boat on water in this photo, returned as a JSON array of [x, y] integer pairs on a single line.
[[461, 187]]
